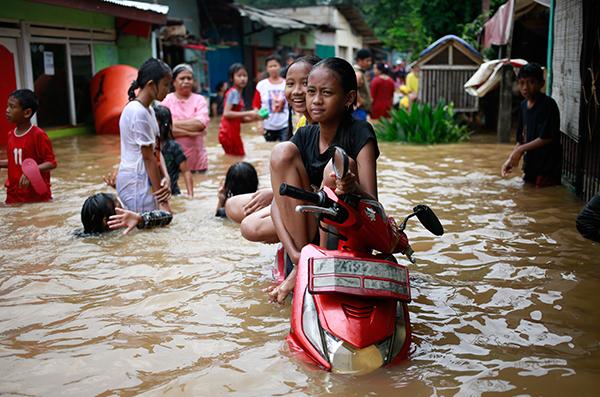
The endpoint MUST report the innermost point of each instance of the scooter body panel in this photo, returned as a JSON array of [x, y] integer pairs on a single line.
[[359, 321]]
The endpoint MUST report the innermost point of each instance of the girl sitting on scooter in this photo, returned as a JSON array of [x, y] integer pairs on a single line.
[[305, 160]]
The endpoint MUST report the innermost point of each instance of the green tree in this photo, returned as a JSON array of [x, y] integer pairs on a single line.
[[398, 23]]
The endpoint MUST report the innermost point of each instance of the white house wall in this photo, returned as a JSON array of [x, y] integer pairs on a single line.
[[346, 38], [345, 41]]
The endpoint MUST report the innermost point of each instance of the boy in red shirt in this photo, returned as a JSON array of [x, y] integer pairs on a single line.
[[26, 141]]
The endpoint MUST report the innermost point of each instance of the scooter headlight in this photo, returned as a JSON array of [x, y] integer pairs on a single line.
[[310, 323], [343, 357]]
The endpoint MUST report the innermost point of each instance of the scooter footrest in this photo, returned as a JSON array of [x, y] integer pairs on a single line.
[[357, 276]]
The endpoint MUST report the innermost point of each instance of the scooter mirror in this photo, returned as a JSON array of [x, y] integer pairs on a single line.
[[340, 162], [428, 219]]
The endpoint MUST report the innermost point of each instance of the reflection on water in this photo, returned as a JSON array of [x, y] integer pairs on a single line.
[[504, 302]]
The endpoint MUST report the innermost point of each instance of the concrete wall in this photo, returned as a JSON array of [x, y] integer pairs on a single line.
[[345, 38], [185, 10], [61, 16], [263, 38], [345, 41], [133, 50], [105, 55], [298, 39]]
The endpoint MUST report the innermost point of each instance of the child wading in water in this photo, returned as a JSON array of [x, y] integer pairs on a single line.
[[305, 160], [26, 141], [538, 132], [142, 181], [175, 159], [233, 115]]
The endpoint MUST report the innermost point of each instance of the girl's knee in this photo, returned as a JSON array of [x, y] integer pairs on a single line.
[[284, 154], [250, 229]]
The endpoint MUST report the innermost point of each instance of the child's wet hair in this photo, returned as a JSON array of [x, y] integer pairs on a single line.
[[220, 85], [343, 70], [382, 67], [151, 70], [533, 70], [241, 178], [273, 57], [311, 60], [233, 69], [165, 122], [95, 212], [347, 77], [27, 99]]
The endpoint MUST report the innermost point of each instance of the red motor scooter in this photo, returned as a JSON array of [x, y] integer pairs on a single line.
[[349, 310]]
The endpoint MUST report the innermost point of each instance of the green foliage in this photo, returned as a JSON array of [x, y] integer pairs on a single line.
[[422, 125], [397, 23]]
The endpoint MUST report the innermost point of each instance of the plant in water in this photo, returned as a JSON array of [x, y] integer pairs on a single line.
[[423, 124]]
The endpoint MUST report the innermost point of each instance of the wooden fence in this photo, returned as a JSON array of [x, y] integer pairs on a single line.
[[446, 82]]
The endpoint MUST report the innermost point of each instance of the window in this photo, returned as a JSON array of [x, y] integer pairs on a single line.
[[81, 64], [48, 62], [64, 99]]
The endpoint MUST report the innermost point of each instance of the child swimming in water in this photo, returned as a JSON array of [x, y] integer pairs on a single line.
[[304, 162], [104, 212]]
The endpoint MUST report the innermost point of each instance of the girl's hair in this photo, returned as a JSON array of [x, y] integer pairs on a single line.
[[151, 70], [347, 78], [382, 67], [220, 85], [241, 178], [233, 69], [165, 122], [95, 212], [311, 60]]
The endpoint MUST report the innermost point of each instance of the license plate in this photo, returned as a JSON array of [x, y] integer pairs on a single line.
[[372, 278]]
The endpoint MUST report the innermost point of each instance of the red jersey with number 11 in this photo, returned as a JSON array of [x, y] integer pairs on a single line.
[[36, 145]]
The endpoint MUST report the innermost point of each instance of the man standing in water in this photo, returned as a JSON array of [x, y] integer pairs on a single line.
[[364, 61], [538, 134]]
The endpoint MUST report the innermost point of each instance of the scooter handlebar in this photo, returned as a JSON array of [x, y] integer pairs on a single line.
[[300, 194]]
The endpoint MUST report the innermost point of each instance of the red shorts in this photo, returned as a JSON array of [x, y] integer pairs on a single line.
[[232, 143]]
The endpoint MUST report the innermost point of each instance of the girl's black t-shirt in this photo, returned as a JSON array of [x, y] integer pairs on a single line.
[[307, 140]]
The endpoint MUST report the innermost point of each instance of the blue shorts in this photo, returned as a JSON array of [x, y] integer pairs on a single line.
[[360, 114]]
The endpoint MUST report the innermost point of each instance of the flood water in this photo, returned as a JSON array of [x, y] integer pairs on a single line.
[[505, 303]]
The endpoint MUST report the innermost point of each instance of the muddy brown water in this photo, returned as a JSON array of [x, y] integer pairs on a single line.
[[505, 303]]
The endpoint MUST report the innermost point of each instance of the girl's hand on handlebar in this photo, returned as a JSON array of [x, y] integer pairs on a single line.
[[347, 184]]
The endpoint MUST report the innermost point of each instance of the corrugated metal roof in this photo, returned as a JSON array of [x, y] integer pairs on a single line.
[[158, 8], [268, 18], [445, 39]]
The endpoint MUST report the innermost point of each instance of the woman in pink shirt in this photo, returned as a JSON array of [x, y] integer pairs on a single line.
[[190, 117]]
